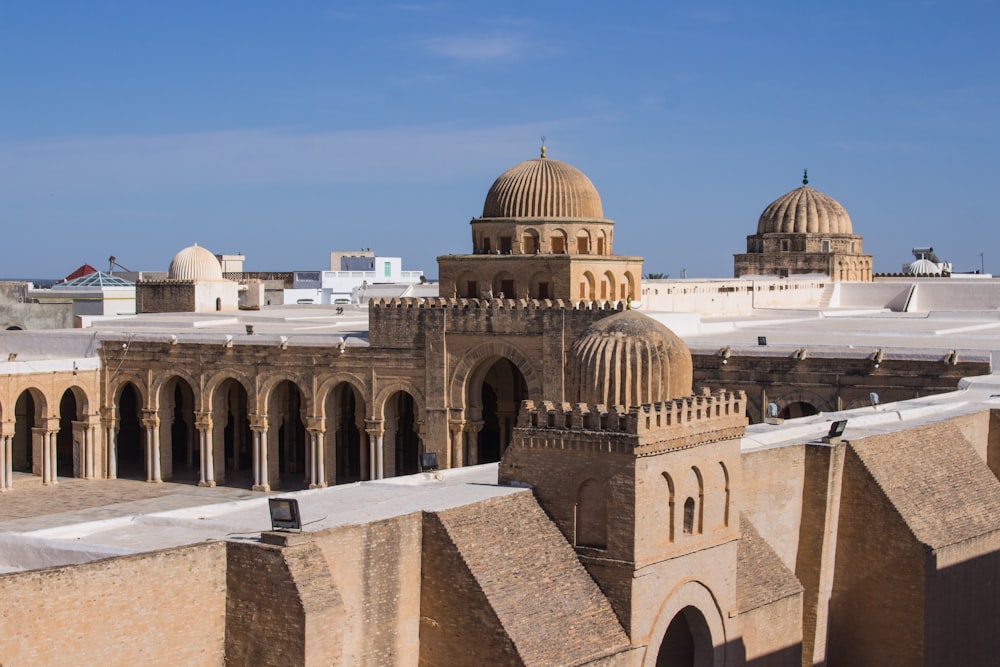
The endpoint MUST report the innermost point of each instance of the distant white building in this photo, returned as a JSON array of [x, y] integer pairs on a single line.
[[349, 284]]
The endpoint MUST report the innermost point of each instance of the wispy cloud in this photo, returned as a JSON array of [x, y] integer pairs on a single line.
[[258, 157], [486, 48]]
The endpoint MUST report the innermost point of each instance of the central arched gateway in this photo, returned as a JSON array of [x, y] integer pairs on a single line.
[[496, 396], [687, 642]]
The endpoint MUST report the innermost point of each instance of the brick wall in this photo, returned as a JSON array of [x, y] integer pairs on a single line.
[[160, 608], [501, 586], [877, 606], [282, 606], [376, 568]]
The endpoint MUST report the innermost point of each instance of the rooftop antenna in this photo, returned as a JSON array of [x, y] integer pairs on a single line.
[[113, 262], [805, 177], [543, 145]]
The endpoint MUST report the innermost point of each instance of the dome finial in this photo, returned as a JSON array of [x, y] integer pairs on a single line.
[[805, 177], [543, 145]]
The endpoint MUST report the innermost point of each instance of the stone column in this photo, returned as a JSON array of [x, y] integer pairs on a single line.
[[456, 453], [317, 455], [110, 421], [151, 421], [376, 435], [50, 472], [90, 456], [258, 424], [472, 429], [206, 448], [6, 456]]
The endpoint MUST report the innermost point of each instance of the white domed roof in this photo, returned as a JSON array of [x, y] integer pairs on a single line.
[[924, 267], [195, 263]]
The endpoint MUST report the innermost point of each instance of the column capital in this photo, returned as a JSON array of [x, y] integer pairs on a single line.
[[316, 424], [7, 428], [473, 426], [456, 426], [203, 420], [375, 427], [258, 422]]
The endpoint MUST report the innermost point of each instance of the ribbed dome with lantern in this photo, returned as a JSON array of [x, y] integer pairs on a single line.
[[542, 235], [804, 232], [543, 188]]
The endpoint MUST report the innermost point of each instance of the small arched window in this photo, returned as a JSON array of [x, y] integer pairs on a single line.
[[689, 516]]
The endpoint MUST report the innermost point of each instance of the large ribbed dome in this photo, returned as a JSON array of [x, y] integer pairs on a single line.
[[630, 359], [804, 211], [195, 263], [543, 188]]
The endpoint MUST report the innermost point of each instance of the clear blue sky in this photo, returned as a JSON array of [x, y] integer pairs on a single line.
[[286, 130]]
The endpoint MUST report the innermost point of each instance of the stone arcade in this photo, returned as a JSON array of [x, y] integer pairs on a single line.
[[626, 517]]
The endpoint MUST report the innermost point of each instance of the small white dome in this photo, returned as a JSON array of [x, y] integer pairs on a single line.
[[924, 267], [195, 263]]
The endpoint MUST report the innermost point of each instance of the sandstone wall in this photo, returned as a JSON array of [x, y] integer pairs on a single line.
[[160, 608]]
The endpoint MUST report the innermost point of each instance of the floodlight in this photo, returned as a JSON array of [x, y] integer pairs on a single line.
[[762, 340], [772, 409], [873, 397], [284, 514], [12, 356], [429, 461], [836, 430], [249, 329]]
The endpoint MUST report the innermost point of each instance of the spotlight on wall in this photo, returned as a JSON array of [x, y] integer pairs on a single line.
[[800, 354], [284, 342], [12, 356], [249, 329], [284, 514], [725, 353], [951, 358], [173, 339], [229, 342], [836, 431], [343, 345], [873, 398], [772, 415], [877, 357], [428, 461]]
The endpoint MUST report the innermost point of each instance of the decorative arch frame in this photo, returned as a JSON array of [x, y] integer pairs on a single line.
[[326, 387], [272, 381], [41, 399], [471, 370], [386, 391], [215, 381], [163, 379], [138, 383], [689, 593]]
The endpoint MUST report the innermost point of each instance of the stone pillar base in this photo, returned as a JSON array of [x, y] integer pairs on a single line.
[[208, 484], [321, 485], [266, 488]]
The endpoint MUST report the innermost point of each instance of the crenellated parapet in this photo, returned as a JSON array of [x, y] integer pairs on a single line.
[[493, 304], [403, 322], [640, 430]]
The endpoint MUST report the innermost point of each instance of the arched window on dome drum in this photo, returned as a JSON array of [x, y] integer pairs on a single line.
[[529, 242], [558, 242], [583, 243]]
